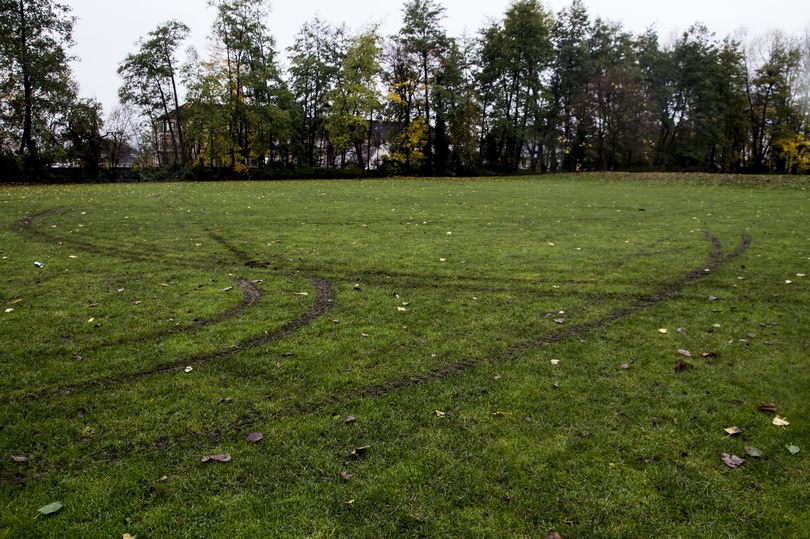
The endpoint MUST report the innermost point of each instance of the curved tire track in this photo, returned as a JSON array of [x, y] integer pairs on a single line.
[[324, 300]]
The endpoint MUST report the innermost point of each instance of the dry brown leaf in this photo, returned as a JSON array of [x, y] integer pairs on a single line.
[[768, 408]]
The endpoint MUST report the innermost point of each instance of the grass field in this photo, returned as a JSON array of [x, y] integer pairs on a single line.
[[478, 358]]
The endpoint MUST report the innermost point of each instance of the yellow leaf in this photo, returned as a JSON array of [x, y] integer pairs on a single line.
[[780, 421]]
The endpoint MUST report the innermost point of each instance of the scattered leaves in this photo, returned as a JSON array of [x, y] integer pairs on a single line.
[[559, 320], [753, 452], [663, 331], [732, 461], [440, 414], [555, 362], [708, 354], [9, 310], [364, 334], [51, 508], [793, 449], [780, 421], [255, 437], [350, 419], [402, 309], [733, 431], [685, 353], [188, 369], [225, 457]]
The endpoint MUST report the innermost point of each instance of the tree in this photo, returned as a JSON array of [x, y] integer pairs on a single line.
[[355, 98], [85, 143], [513, 57], [424, 38], [150, 81], [771, 92], [37, 84], [252, 81], [315, 66]]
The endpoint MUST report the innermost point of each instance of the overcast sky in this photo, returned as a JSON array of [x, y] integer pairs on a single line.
[[106, 30]]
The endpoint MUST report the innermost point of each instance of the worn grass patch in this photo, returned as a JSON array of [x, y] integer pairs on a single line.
[[496, 340]]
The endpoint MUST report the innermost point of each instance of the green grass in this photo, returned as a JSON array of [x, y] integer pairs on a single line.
[[525, 447]]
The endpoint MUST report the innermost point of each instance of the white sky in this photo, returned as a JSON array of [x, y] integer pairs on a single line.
[[106, 30]]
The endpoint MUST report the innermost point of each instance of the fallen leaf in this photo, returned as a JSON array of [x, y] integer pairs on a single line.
[[77, 357], [559, 320], [39, 265], [302, 294], [51, 508], [364, 334], [254, 437], [682, 331], [713, 298], [360, 451], [225, 457], [733, 431], [442, 260], [793, 449], [663, 331], [350, 503], [9, 310], [768, 407], [350, 419], [681, 366], [17, 301], [685, 353], [732, 461], [163, 478], [73, 257], [753, 452], [801, 275], [402, 309], [91, 320], [788, 282], [780, 421], [440, 414], [188, 369], [128, 536], [556, 385], [357, 286], [346, 476], [708, 354], [20, 458], [554, 535], [501, 414], [624, 366], [228, 289], [555, 362]]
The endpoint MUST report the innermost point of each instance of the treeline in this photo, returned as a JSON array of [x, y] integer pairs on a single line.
[[534, 91]]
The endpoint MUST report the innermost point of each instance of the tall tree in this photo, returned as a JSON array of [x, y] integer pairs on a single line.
[[251, 77], [355, 98], [513, 58], [424, 38], [34, 38], [151, 82], [315, 65]]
